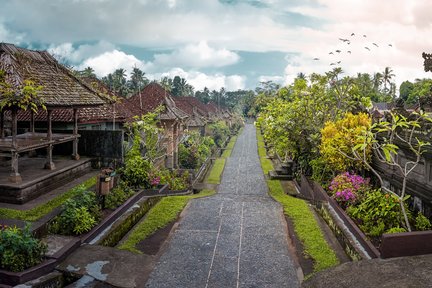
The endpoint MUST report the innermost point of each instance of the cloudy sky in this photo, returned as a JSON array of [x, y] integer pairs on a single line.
[[226, 43]]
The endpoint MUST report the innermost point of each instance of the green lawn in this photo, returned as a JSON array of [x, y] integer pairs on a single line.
[[215, 174], [43, 209], [163, 213], [305, 224]]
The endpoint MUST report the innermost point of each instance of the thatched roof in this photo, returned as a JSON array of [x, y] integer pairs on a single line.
[[152, 96], [97, 114], [60, 87]]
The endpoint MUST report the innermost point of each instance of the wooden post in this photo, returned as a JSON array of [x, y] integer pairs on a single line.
[[75, 154], [32, 153], [14, 177], [49, 163], [32, 121]]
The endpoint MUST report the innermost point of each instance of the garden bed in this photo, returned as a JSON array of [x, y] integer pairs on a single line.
[[356, 243], [15, 278]]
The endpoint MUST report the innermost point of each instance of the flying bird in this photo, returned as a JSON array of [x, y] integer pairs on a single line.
[[315, 58], [338, 62], [375, 44], [343, 40], [332, 64], [364, 35], [352, 34], [390, 45], [331, 53], [349, 51], [367, 48], [338, 51]]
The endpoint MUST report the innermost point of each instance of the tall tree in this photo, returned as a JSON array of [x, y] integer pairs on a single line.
[[405, 90], [137, 80], [88, 72], [166, 83], [387, 76]]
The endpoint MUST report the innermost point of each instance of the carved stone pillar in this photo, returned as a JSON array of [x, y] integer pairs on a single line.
[[14, 177]]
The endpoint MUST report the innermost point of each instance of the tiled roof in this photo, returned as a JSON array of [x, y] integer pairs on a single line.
[[152, 96], [195, 114], [60, 87]]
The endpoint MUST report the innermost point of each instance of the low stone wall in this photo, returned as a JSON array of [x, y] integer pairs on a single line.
[[406, 244]]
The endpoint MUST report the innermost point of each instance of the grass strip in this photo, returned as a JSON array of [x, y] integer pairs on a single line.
[[163, 213], [228, 150], [43, 209], [215, 174], [305, 224]]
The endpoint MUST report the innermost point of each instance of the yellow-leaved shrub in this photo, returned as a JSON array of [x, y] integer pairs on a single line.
[[339, 138]]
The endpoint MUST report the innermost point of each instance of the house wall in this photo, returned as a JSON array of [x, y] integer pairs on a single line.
[[419, 181]]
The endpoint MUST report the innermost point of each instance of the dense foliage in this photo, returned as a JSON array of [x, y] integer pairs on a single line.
[[292, 119], [118, 195], [338, 138], [219, 131], [78, 215], [24, 97], [19, 250], [144, 149], [194, 150]]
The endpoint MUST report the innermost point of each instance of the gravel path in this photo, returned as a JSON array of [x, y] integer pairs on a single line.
[[236, 238]]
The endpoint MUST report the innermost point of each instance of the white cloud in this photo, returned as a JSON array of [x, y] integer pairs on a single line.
[[84, 51], [196, 56], [201, 80], [8, 37], [107, 62], [405, 28]]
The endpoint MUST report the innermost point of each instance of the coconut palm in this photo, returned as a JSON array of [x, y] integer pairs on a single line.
[[387, 77]]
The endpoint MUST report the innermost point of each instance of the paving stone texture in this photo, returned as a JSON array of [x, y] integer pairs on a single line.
[[237, 238]]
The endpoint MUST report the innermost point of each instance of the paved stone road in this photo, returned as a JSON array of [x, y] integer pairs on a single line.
[[236, 238]]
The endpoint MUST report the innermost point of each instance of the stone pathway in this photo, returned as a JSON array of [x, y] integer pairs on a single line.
[[237, 238]]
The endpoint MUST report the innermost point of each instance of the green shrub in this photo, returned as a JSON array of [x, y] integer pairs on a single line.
[[174, 179], [78, 215], [377, 212], [219, 132], [396, 230], [422, 223], [19, 250], [118, 195], [194, 150], [136, 171]]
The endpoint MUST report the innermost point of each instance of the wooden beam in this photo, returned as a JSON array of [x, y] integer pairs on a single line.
[[75, 154]]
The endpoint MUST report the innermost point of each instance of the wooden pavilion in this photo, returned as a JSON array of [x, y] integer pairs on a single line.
[[60, 90]]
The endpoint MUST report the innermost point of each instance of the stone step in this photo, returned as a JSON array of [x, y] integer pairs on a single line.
[[275, 176]]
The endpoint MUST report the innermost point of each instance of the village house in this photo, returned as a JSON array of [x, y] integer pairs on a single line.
[[197, 119], [60, 90], [172, 119]]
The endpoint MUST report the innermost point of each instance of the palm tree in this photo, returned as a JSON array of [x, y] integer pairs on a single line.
[[119, 78], [387, 77], [166, 83], [88, 72], [377, 81], [301, 75], [137, 80]]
